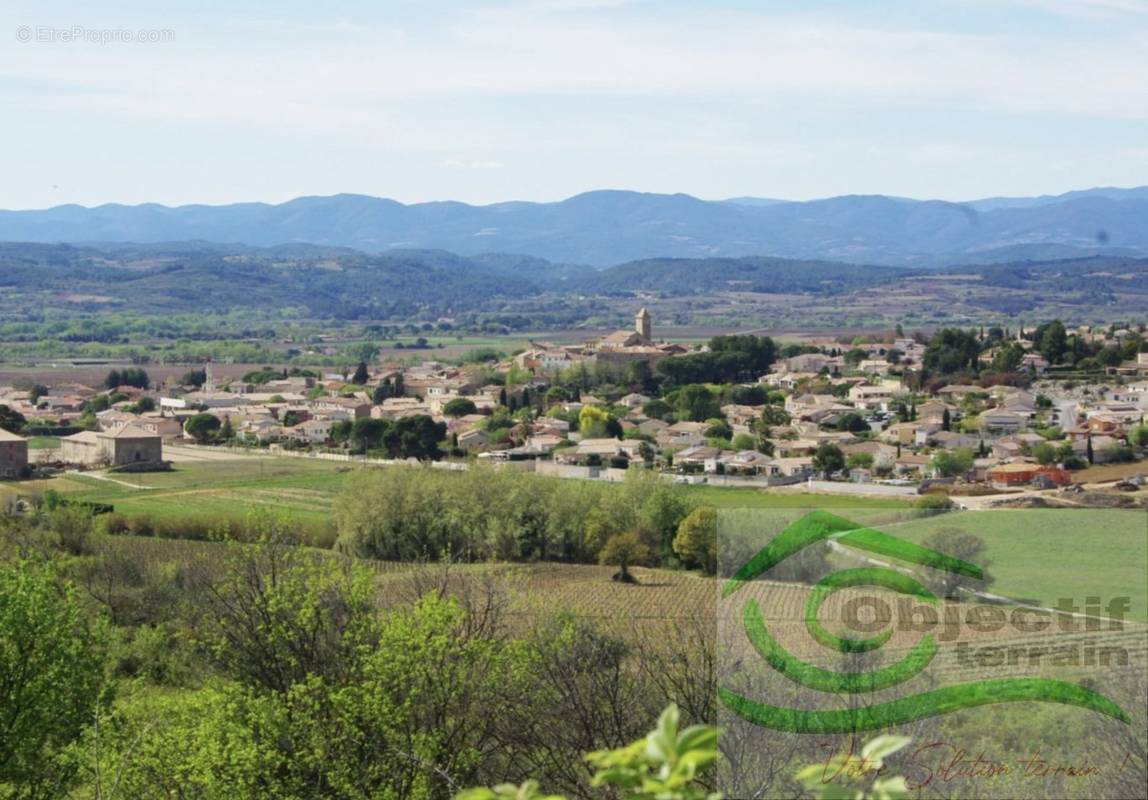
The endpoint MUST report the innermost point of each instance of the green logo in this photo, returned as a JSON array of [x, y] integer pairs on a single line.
[[822, 526]]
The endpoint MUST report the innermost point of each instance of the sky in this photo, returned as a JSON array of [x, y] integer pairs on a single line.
[[484, 101]]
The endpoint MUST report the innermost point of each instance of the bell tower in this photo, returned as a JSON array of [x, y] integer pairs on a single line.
[[642, 324]]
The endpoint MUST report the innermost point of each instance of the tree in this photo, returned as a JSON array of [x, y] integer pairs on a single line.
[[195, 377], [951, 463], [1052, 341], [592, 422], [952, 350], [624, 550], [772, 416], [51, 671], [459, 407], [36, 392], [695, 402], [946, 421], [226, 431], [1045, 454], [958, 544], [1138, 436], [361, 375], [859, 461], [828, 458], [11, 420], [696, 540], [202, 427]]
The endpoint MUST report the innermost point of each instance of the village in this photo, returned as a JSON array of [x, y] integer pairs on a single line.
[[868, 413]]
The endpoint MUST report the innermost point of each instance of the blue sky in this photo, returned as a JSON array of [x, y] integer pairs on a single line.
[[484, 101]]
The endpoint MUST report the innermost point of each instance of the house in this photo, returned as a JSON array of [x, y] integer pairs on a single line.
[[683, 434], [748, 462], [737, 414], [474, 439], [634, 400], [957, 391], [346, 408], [600, 450], [123, 447], [13, 455], [1022, 473], [1003, 420], [312, 431], [698, 456]]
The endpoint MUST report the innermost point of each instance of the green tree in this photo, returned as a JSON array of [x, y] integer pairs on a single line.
[[202, 427], [1052, 341], [696, 540], [624, 550], [51, 674], [362, 375], [951, 463], [695, 402], [459, 407], [11, 420], [1045, 454], [828, 458]]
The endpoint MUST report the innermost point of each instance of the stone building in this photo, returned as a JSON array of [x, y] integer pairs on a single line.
[[13, 455], [126, 446]]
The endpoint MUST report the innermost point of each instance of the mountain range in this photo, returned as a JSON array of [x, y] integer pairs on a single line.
[[602, 228]]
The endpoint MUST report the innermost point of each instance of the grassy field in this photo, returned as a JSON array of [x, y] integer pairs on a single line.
[[212, 491], [730, 497], [1043, 555]]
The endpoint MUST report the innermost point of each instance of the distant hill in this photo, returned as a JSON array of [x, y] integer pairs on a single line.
[[607, 227], [679, 276], [341, 283]]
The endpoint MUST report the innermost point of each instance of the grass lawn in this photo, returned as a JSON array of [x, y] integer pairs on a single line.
[[43, 443]]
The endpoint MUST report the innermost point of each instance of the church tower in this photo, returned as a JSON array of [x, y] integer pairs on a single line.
[[642, 324]]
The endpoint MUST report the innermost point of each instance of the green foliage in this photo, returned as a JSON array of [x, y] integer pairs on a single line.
[[624, 550], [843, 776], [202, 427], [52, 674], [459, 407], [696, 539], [663, 766], [730, 359], [695, 402], [952, 463], [481, 513], [11, 420], [952, 350], [132, 376], [828, 458]]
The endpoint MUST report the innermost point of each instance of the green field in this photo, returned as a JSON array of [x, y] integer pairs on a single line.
[[43, 443], [731, 497], [212, 491], [1043, 555]]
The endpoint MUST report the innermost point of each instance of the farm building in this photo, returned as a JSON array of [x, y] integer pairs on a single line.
[[126, 446], [13, 454]]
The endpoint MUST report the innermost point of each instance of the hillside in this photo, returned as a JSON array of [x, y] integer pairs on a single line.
[[607, 227]]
